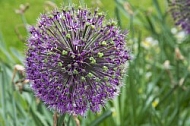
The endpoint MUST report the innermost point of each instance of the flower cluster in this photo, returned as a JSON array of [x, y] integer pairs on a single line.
[[75, 60], [181, 13]]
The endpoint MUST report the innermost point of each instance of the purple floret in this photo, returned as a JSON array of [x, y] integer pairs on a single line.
[[181, 13], [75, 60]]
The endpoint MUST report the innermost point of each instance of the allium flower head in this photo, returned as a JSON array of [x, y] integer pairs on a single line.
[[181, 13], [74, 60]]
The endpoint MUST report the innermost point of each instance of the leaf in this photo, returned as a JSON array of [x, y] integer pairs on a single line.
[[4, 50], [17, 54], [101, 118], [38, 118]]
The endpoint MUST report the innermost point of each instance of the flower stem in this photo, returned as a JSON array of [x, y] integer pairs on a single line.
[[55, 117], [76, 120]]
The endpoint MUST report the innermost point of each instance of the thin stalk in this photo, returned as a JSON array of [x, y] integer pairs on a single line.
[[55, 118], [13, 100]]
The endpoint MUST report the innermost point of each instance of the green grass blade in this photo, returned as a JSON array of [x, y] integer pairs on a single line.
[[100, 119]]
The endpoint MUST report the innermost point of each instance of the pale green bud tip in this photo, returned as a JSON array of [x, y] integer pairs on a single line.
[[64, 52], [112, 42], [92, 26], [63, 18], [83, 78], [93, 61], [60, 64], [73, 56], [75, 71], [80, 7], [50, 16], [68, 36], [105, 68], [45, 60], [104, 43], [106, 78], [100, 14], [97, 79], [108, 24], [87, 24], [63, 69], [50, 53], [113, 23], [90, 75], [69, 65], [113, 76], [100, 55]]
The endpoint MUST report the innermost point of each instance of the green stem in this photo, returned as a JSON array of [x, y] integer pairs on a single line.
[[24, 21], [13, 102]]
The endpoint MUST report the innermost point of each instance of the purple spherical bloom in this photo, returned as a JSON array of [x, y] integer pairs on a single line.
[[75, 60], [181, 13]]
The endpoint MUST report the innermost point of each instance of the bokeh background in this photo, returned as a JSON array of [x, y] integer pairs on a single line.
[[156, 88]]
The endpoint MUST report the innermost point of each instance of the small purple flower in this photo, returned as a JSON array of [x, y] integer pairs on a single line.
[[75, 60], [181, 13]]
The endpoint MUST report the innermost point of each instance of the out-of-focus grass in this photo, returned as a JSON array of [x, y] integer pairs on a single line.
[[9, 19]]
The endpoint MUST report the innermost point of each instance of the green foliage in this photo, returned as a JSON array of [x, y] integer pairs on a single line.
[[156, 86]]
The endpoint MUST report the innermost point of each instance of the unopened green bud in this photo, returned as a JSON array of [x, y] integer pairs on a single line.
[[100, 14], [60, 64], [49, 53], [90, 75], [68, 36], [63, 69], [75, 71], [64, 52], [113, 76], [45, 60], [113, 23], [105, 68], [106, 78], [115, 68], [83, 78], [108, 24], [100, 55], [92, 26], [73, 56], [112, 42], [98, 79], [92, 60], [80, 7], [103, 43], [69, 65], [87, 24]]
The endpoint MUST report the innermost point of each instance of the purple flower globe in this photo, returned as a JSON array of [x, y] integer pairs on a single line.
[[75, 60], [181, 13]]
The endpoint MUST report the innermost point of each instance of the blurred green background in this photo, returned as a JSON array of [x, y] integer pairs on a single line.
[[156, 89]]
